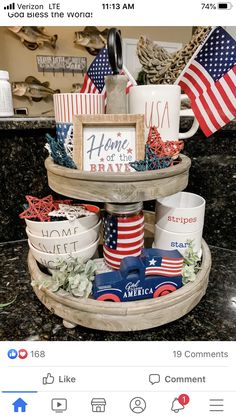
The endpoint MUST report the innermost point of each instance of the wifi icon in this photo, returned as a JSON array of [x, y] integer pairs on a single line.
[[10, 6]]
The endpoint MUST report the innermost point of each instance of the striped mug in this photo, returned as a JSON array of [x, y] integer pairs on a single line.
[[66, 105]]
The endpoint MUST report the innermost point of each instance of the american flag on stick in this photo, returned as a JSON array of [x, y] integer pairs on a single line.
[[165, 267], [122, 237], [209, 80], [94, 79]]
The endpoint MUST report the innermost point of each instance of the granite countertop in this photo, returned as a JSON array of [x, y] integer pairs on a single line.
[[27, 319], [19, 122]]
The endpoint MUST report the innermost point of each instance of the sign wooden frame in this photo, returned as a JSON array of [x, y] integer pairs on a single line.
[[106, 121]]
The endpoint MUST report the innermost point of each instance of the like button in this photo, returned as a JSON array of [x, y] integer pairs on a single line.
[[49, 379]]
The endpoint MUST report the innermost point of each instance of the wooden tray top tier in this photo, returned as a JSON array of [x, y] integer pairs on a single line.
[[118, 187], [136, 315]]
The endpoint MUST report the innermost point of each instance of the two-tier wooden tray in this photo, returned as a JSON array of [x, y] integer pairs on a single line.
[[123, 188]]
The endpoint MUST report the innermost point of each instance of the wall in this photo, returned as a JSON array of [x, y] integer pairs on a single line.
[[21, 62]]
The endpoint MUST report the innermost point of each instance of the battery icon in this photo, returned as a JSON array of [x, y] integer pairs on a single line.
[[225, 6]]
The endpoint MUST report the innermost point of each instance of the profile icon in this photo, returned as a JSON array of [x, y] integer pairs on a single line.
[[137, 405]]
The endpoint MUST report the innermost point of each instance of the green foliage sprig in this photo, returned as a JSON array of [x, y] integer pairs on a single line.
[[192, 264], [73, 276]]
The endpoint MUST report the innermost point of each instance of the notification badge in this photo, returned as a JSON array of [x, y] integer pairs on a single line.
[[179, 403]]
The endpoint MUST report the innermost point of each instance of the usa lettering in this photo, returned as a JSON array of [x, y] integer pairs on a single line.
[[157, 114]]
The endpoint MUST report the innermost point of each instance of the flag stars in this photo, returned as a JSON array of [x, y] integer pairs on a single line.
[[152, 262]]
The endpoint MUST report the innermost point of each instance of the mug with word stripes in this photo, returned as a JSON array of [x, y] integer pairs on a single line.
[[66, 105]]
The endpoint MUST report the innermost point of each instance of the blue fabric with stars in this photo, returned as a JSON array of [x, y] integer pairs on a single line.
[[110, 231], [62, 131], [218, 54], [100, 68]]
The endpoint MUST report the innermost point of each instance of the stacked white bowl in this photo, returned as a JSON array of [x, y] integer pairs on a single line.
[[59, 240], [179, 219]]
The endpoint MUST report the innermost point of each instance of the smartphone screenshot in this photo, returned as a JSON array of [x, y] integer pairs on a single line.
[[117, 233]]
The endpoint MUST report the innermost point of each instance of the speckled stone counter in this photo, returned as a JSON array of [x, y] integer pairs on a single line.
[[22, 169], [212, 175], [23, 122], [27, 319]]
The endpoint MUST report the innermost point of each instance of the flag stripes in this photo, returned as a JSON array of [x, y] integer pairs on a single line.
[[210, 81], [123, 236], [168, 267]]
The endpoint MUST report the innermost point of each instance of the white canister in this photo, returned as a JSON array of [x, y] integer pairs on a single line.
[[182, 212], [168, 240], [6, 104]]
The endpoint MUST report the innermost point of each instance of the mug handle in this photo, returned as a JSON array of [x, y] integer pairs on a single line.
[[194, 127]]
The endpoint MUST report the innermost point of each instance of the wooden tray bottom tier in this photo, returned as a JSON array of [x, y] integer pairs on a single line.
[[130, 316]]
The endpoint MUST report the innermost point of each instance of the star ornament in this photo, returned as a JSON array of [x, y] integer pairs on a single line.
[[152, 262], [129, 151], [38, 208]]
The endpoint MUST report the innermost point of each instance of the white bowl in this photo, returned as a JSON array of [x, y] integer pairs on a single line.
[[181, 212], [168, 240], [63, 228], [65, 244], [50, 260]]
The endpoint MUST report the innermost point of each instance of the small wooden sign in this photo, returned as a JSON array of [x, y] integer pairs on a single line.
[[60, 64], [108, 143]]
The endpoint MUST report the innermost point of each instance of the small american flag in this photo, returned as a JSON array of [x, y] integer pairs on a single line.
[[165, 267], [62, 131], [209, 80], [94, 79], [122, 237]]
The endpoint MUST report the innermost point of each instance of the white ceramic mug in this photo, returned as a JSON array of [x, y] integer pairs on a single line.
[[167, 240], [160, 105], [182, 212]]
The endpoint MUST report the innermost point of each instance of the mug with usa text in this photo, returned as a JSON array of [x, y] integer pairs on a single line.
[[66, 105], [160, 105]]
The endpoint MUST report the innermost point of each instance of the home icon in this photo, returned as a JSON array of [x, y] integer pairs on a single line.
[[19, 406], [98, 405]]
